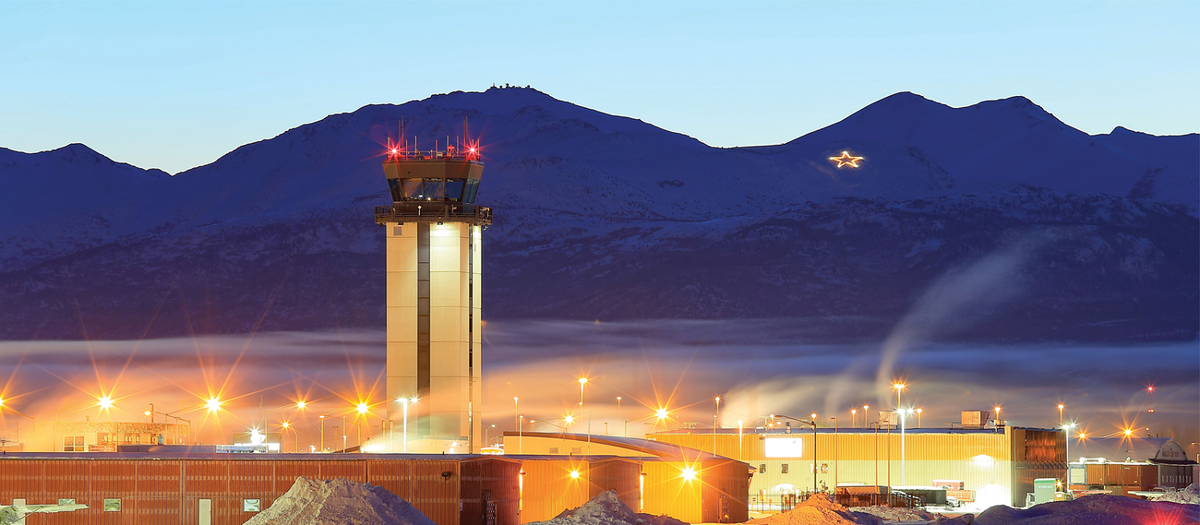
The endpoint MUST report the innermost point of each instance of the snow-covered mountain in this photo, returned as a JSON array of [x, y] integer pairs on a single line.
[[607, 217]]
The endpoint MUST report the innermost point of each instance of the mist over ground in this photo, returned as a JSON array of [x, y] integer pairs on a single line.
[[758, 367]]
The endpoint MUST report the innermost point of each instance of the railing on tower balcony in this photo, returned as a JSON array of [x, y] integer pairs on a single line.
[[433, 211]]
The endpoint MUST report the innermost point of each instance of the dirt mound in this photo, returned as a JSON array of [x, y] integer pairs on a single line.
[[1093, 510], [341, 501], [818, 509], [1190, 496], [607, 509]]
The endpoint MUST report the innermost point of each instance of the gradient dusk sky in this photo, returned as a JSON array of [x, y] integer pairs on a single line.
[[176, 85]]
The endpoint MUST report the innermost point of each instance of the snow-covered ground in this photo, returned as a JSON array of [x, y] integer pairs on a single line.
[[341, 501], [311, 502]]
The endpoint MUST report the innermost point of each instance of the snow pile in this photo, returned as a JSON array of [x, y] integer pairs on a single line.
[[1092, 510], [895, 513], [1190, 495], [607, 509], [818, 509], [341, 501]]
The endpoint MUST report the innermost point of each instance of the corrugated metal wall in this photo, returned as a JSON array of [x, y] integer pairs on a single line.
[[549, 488], [450, 491], [618, 474], [668, 493], [724, 488], [489, 490]]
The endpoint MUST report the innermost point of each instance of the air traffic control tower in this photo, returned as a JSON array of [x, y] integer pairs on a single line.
[[434, 267]]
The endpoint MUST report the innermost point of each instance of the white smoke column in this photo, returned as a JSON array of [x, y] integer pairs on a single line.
[[955, 302]]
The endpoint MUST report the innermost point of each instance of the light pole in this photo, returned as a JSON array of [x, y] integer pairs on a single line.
[[362, 411], [624, 433], [812, 422], [1060, 414], [322, 433], [516, 415], [715, 425], [900, 412], [739, 440], [1067, 430], [582, 382], [485, 434], [919, 418], [835, 457], [854, 417], [404, 438], [520, 437]]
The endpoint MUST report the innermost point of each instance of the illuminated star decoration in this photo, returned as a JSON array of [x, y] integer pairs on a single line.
[[846, 160]]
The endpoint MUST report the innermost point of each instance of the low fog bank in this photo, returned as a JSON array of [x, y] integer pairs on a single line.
[[758, 367]]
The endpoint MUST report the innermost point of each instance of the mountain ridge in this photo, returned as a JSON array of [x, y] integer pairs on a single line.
[[584, 200]]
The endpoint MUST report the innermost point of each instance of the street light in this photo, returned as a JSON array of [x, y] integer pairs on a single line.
[[812, 422], [322, 433], [582, 381], [624, 433], [1060, 414], [1067, 430], [854, 416], [404, 401], [919, 418], [213, 404], [485, 433], [715, 416], [999, 421], [900, 412]]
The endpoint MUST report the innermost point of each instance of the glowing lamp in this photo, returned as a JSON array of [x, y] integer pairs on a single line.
[[662, 413], [689, 474], [1128, 432], [570, 420], [301, 404], [213, 404], [574, 474], [583, 380], [362, 408], [285, 424], [106, 402]]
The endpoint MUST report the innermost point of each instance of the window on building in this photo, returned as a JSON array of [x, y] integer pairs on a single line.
[[251, 505], [112, 505], [66, 501], [762, 468], [784, 470], [554, 450], [576, 450], [73, 444]]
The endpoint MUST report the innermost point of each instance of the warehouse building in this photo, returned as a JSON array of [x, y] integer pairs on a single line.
[[165, 486], [986, 466], [1121, 465]]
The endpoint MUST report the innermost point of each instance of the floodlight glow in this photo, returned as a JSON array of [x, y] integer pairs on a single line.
[[362, 408], [570, 419], [213, 404], [662, 413], [574, 474], [689, 474], [106, 402], [301, 404]]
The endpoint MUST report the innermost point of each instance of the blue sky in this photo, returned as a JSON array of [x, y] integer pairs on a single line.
[[176, 85]]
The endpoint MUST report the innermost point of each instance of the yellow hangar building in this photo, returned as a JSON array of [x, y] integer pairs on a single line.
[[987, 466]]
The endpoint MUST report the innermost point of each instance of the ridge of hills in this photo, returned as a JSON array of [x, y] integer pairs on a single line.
[[607, 217]]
